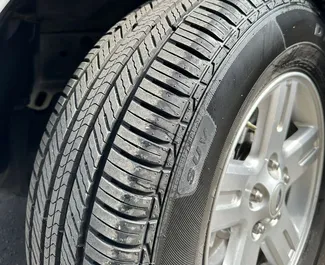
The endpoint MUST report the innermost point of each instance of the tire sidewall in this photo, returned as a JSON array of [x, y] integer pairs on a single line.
[[289, 38]]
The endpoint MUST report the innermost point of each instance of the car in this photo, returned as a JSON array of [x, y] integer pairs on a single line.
[[190, 132]]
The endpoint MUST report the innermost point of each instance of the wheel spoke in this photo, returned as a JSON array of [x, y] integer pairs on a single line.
[[242, 249], [227, 211], [274, 117], [280, 245], [217, 256], [300, 151], [236, 177]]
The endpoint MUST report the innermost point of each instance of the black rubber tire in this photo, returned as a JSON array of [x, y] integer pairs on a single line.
[[113, 181]]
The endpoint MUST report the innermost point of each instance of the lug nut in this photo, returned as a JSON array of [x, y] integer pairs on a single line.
[[256, 195], [274, 165], [286, 178], [258, 228]]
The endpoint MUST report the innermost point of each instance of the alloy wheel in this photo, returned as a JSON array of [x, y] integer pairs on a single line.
[[267, 194]]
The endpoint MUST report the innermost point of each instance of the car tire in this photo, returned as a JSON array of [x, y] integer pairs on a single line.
[[131, 158]]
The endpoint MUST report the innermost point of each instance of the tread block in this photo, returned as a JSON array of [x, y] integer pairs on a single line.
[[224, 10], [139, 201], [134, 168], [196, 40], [115, 235], [164, 100], [138, 153], [127, 179], [148, 129], [159, 152], [119, 223], [176, 81], [111, 251], [182, 60], [110, 201], [151, 115]]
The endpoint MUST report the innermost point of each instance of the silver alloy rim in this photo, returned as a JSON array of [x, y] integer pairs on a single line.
[[268, 190]]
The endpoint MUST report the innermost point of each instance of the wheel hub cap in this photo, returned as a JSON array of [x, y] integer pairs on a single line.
[[277, 198], [267, 194]]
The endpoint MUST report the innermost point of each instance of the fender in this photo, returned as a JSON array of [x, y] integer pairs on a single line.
[[3, 4]]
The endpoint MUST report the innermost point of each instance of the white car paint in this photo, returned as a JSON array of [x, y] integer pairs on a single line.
[[3, 4]]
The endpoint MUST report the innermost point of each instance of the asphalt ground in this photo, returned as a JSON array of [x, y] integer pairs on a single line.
[[12, 219]]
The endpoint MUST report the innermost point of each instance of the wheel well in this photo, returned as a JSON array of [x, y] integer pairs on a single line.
[[42, 42]]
